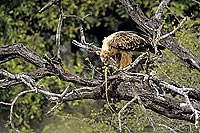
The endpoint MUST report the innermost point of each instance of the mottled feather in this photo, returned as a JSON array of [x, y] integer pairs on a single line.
[[128, 41]]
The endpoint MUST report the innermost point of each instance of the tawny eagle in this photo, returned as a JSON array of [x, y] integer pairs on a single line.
[[123, 45]]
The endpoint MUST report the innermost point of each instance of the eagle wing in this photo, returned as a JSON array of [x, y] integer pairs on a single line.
[[129, 41]]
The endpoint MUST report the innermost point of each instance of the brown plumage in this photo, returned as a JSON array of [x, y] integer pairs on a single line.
[[123, 45]]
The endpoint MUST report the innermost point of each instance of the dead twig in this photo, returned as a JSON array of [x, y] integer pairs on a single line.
[[47, 6], [119, 114], [172, 32], [12, 106]]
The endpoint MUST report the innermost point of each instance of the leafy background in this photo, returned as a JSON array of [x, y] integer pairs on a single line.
[[21, 22]]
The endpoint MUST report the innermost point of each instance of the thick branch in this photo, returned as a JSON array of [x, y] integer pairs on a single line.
[[9, 52], [161, 8], [47, 67], [161, 104]]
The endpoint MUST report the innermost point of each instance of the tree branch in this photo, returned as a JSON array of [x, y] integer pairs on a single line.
[[160, 10], [47, 66], [47, 6], [12, 51], [119, 114], [135, 12]]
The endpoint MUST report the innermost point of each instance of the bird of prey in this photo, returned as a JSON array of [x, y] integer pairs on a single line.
[[123, 45]]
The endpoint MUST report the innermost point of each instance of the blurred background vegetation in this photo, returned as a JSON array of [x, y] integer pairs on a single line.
[[21, 22]]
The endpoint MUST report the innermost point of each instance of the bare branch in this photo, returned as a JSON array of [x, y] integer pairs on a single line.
[[21, 51], [162, 125], [9, 104], [89, 47], [58, 39], [119, 114], [70, 16], [161, 8], [35, 87], [7, 74], [85, 17], [183, 91], [65, 91], [47, 6], [36, 74], [196, 2], [172, 32], [156, 36], [83, 41], [58, 100], [12, 106]]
